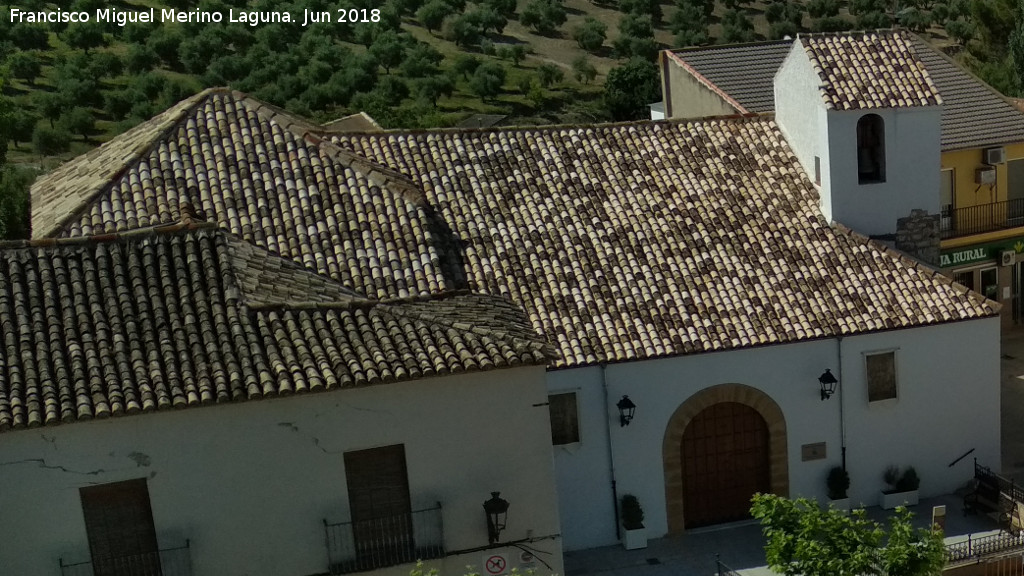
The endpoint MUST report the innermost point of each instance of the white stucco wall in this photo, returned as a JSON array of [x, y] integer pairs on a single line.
[[801, 116], [912, 168], [948, 385], [687, 97], [250, 483]]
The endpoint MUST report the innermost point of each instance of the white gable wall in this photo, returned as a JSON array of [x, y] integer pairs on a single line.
[[250, 483], [948, 386], [801, 116]]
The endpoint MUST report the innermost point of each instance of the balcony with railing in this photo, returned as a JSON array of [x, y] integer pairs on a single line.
[[388, 541], [165, 562], [959, 222]]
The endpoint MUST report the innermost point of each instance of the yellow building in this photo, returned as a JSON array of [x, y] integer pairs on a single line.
[[982, 152]]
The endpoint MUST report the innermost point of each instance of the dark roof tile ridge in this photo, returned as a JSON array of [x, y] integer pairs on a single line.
[[851, 33], [126, 162], [554, 127], [925, 269], [717, 47], [156, 230]]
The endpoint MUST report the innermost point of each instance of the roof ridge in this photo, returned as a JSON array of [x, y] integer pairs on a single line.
[[307, 131], [713, 47], [162, 229], [85, 200], [919, 265]]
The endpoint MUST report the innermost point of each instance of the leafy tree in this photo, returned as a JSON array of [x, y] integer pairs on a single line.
[[779, 30], [80, 91], [165, 41], [535, 94], [487, 80], [689, 37], [14, 197], [52, 105], [690, 25], [105, 65], [79, 121], [543, 16], [138, 32], [736, 27], [914, 19], [651, 8], [549, 75], [389, 49], [506, 8], [872, 20], [823, 8], [30, 36], [636, 38], [20, 126], [995, 21], [392, 90], [464, 31], [961, 30], [431, 88], [175, 91], [583, 71], [118, 103], [940, 13], [197, 52], [515, 53], [804, 539], [465, 64], [487, 19], [85, 35], [25, 65], [591, 34], [48, 141], [140, 58], [630, 88], [151, 84], [433, 13], [830, 24], [421, 62]]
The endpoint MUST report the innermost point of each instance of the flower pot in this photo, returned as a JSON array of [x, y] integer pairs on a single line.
[[894, 499], [841, 504], [634, 539]]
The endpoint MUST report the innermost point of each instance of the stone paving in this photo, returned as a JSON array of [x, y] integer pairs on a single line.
[[740, 546]]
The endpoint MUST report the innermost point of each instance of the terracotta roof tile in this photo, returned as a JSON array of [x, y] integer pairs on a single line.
[[187, 315], [878, 69], [621, 242]]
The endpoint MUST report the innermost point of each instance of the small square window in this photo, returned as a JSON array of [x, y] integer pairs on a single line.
[[881, 372], [565, 427]]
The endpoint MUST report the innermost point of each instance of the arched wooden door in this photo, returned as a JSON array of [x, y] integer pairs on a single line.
[[725, 457]]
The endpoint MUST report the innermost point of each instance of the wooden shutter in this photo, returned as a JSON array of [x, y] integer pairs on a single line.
[[378, 495], [119, 525]]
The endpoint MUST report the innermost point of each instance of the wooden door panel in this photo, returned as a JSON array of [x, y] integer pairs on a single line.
[[378, 493], [725, 461], [119, 526]]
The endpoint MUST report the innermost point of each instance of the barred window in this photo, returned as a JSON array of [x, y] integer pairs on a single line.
[[565, 427], [881, 371]]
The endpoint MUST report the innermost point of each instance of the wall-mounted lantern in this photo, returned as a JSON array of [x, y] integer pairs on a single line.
[[497, 512], [828, 384], [626, 409]]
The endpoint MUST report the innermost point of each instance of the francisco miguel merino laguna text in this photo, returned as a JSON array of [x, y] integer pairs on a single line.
[[122, 17]]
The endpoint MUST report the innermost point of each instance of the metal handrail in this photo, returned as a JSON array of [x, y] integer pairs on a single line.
[[384, 541], [173, 561], [982, 218]]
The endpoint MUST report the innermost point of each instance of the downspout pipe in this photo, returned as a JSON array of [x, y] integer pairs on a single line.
[[611, 453], [842, 412]]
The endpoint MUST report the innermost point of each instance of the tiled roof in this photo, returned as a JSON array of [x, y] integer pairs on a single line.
[[622, 242], [869, 70], [973, 113], [156, 319], [746, 72]]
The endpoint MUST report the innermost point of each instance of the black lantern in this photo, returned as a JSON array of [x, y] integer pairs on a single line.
[[497, 512], [828, 384], [626, 409]]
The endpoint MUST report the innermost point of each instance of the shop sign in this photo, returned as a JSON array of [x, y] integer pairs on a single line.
[[979, 252]]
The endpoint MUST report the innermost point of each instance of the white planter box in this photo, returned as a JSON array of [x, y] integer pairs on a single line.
[[634, 539], [841, 504], [890, 501]]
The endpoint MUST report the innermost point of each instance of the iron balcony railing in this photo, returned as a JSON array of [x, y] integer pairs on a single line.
[[388, 541], [975, 548], [165, 562], [959, 222]]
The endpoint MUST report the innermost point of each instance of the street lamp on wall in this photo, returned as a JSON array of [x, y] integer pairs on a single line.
[[626, 410], [828, 384], [497, 513]]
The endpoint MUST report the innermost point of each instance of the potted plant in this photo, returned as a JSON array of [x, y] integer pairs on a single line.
[[634, 535], [902, 487], [838, 483]]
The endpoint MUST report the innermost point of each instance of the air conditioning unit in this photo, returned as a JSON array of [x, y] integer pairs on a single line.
[[1009, 258], [985, 175], [995, 156]]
